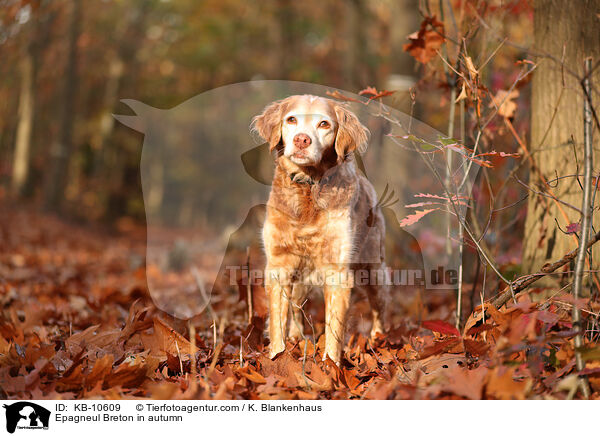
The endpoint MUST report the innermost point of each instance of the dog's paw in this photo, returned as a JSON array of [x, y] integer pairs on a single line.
[[376, 330], [275, 351], [296, 334]]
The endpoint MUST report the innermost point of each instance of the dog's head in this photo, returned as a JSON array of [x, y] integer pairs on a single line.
[[305, 127]]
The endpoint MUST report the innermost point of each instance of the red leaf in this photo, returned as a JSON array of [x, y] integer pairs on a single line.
[[454, 197], [369, 90], [498, 153], [441, 327], [424, 203], [412, 219]]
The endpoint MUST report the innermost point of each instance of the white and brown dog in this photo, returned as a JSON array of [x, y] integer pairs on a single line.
[[323, 225]]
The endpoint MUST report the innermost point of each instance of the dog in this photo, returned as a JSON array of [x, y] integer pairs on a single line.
[[322, 225]]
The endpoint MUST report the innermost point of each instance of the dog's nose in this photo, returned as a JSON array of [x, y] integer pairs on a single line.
[[302, 140]]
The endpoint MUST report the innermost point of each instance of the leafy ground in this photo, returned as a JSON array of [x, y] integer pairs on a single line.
[[77, 322]]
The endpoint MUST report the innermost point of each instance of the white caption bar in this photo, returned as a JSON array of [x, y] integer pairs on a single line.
[[293, 417]]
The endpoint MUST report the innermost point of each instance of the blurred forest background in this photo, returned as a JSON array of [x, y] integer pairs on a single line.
[[66, 64]]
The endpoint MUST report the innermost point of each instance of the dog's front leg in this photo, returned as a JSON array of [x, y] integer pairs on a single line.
[[279, 295], [296, 330], [337, 301]]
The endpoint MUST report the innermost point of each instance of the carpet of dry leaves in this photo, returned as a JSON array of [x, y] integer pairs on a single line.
[[77, 322]]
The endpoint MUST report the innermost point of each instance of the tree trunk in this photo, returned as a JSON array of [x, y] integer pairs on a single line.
[[115, 161], [20, 167], [106, 121], [355, 46], [61, 150], [286, 47], [570, 32]]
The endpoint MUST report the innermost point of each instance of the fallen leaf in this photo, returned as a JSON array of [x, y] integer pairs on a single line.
[[441, 327], [502, 385], [466, 383]]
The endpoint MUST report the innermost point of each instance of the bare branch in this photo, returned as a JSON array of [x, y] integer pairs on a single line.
[[525, 281], [585, 229]]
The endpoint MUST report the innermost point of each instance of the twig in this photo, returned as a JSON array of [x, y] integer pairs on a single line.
[[543, 194], [249, 287], [585, 231], [453, 203], [460, 277], [179, 357], [493, 54], [193, 349], [497, 107], [482, 295], [449, 162], [217, 351], [451, 116]]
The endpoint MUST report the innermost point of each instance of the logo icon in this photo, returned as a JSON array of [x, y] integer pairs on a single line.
[[26, 415]]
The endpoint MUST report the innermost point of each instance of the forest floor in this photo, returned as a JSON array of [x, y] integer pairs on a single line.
[[77, 321]]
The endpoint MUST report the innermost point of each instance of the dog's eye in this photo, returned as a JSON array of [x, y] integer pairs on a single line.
[[291, 120], [324, 124]]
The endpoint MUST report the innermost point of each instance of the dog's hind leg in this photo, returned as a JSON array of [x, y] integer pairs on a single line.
[[278, 315], [337, 300], [378, 294]]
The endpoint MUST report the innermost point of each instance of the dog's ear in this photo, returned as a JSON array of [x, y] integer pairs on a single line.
[[351, 134], [268, 124]]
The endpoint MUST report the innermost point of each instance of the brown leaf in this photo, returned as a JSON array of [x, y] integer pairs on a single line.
[[317, 378], [476, 348], [424, 44], [439, 347], [351, 381], [127, 376], [502, 385], [165, 340], [473, 73], [102, 368], [466, 383], [81, 338], [251, 375], [463, 93], [283, 365], [504, 100]]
